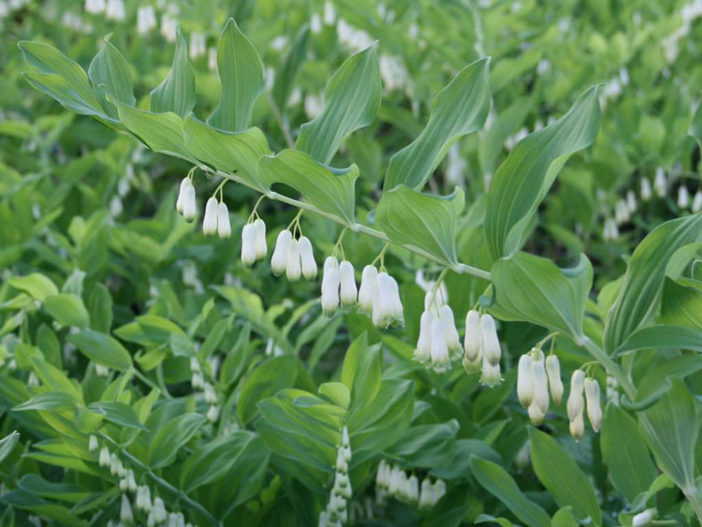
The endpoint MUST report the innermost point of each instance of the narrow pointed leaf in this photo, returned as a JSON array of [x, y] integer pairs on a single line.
[[110, 74], [177, 91]]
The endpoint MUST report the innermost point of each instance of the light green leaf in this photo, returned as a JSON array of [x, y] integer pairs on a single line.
[[423, 221], [102, 349], [51, 400], [169, 438], [351, 100], [361, 371], [672, 426], [656, 337], [327, 188], [7, 443], [492, 140], [117, 413], [161, 132], [177, 91], [625, 453], [499, 483], [100, 308], [67, 309], [655, 381], [241, 74], [36, 285], [534, 289], [425, 445], [238, 152], [110, 74], [265, 380], [459, 109], [286, 74], [696, 125], [523, 179], [681, 305], [558, 472], [640, 292], [564, 517]]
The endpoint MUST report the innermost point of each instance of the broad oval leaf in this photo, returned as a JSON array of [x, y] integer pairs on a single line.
[[657, 337], [423, 221], [67, 309], [168, 439], [241, 75], [352, 99], [102, 349], [523, 179], [36, 285], [459, 109], [110, 74], [161, 132], [117, 413], [265, 380], [177, 91]]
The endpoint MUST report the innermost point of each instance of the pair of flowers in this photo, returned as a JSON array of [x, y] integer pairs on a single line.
[[293, 256], [576, 404], [536, 377]]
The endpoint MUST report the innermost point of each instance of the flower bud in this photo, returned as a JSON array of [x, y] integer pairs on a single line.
[[592, 397], [369, 288], [453, 341], [387, 307], [422, 352], [224, 227], [189, 203], [125, 510], [330, 286], [104, 457], [159, 510], [576, 403], [349, 294], [439, 350], [490, 373], [539, 403], [553, 370], [293, 267], [209, 223], [260, 246], [92, 443], [643, 518], [631, 201], [279, 259], [490, 344], [472, 340], [248, 245], [213, 413], [180, 203], [525, 381], [646, 191], [660, 183], [683, 197], [309, 265], [577, 426]]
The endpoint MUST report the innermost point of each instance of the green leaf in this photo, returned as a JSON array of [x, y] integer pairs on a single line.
[[523, 179], [499, 483], [534, 289], [55, 379], [238, 152], [241, 74], [177, 91], [161, 132], [425, 445], [657, 337], [170, 437], [67, 309], [564, 517], [351, 100], [110, 74], [681, 305], [335, 392], [102, 349], [458, 464], [696, 125], [423, 221], [286, 74], [672, 426], [100, 309], [329, 189], [36, 285], [558, 472], [266, 379], [625, 453], [51, 400], [7, 443], [640, 292], [459, 109], [117, 413], [361, 371], [61, 78]]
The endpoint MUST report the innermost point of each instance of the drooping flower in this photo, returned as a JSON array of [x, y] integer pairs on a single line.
[[280, 252], [643, 518], [592, 398], [646, 191], [146, 19], [490, 373], [525, 381], [387, 306], [115, 10], [348, 291], [683, 197], [260, 245], [490, 344], [209, 223], [331, 283], [473, 338], [422, 352], [631, 201], [555, 384], [189, 203], [540, 401], [125, 511], [224, 227], [309, 265], [293, 266], [659, 183], [439, 350], [180, 202], [104, 457], [159, 510], [368, 289], [248, 244], [92, 443], [576, 404], [453, 341]]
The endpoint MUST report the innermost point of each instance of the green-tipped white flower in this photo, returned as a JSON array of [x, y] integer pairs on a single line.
[[490, 344], [224, 227], [330, 286], [426, 495], [279, 259], [189, 203], [472, 339], [576, 404], [104, 457], [368, 289], [631, 201], [594, 409], [683, 197], [577, 426], [412, 492], [659, 183], [131, 481], [539, 404], [210, 395], [125, 511], [307, 261], [180, 202], [387, 306], [439, 350], [525, 381], [248, 244], [646, 191], [92, 443], [209, 222], [293, 266], [697, 202], [453, 341], [555, 384], [159, 510], [260, 245], [213, 413], [348, 291], [472, 366], [422, 352], [143, 498], [490, 373]]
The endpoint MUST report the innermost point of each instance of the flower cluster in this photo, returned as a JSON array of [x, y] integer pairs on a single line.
[[336, 512], [438, 340], [187, 203], [216, 218], [292, 256], [482, 348], [198, 381], [576, 404], [537, 377], [391, 480]]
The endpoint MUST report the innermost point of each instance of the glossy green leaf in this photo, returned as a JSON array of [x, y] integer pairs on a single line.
[[49, 489], [655, 382], [351, 100], [102, 349], [534, 289], [55, 379], [329, 189], [425, 222], [36, 285], [170, 437], [459, 109], [67, 309], [177, 91], [493, 478], [640, 292], [110, 74], [237, 152], [286, 74], [241, 75], [558, 472], [523, 179], [656, 337], [625, 453]]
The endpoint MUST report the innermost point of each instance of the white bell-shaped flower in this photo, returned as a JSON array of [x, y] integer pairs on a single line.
[[260, 246], [659, 183], [644, 518], [426, 494], [348, 291], [525, 380], [631, 201], [490, 344], [439, 349], [180, 202], [309, 265], [368, 289], [683, 197], [473, 338], [248, 244], [209, 393], [453, 341], [104, 457], [189, 203], [293, 266], [125, 510], [92, 443], [646, 191], [224, 227], [213, 413], [697, 202], [413, 489], [341, 463], [621, 212], [331, 282], [387, 307], [555, 384], [131, 481], [209, 223], [592, 398], [540, 401], [159, 510], [279, 260], [422, 352], [576, 404], [146, 19], [490, 373], [472, 366], [577, 426]]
